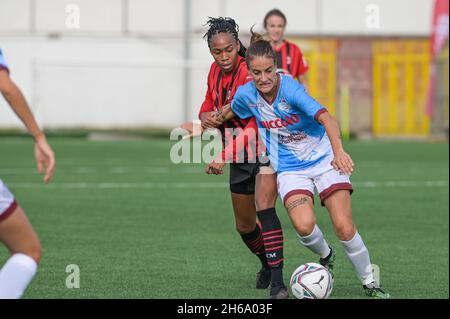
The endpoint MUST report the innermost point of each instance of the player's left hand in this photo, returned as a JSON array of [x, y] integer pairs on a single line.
[[343, 163], [215, 168], [211, 120], [45, 158]]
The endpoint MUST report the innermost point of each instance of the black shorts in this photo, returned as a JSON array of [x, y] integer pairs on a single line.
[[243, 175]]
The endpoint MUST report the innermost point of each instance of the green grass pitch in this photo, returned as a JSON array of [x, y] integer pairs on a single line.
[[139, 226]]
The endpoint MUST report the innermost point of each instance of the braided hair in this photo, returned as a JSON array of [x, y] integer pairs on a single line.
[[224, 25]]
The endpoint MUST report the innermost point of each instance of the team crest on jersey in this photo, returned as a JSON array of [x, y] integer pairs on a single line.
[[283, 106]]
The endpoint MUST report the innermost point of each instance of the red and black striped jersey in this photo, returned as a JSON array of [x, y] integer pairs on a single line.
[[220, 92], [222, 87], [290, 59]]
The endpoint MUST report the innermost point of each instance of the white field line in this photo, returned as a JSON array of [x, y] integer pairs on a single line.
[[207, 185], [116, 170]]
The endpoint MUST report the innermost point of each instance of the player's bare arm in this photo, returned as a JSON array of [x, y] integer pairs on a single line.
[[217, 118], [209, 120], [342, 161], [44, 154], [248, 135], [16, 100], [226, 113]]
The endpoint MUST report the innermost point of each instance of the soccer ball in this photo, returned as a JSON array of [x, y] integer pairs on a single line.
[[311, 281]]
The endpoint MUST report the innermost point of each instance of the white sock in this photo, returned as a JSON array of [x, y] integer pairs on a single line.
[[15, 276], [315, 242], [358, 254]]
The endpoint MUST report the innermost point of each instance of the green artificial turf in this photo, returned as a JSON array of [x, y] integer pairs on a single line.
[[139, 226]]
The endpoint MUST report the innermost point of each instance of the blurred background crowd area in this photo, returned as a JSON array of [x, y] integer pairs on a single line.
[[138, 64]]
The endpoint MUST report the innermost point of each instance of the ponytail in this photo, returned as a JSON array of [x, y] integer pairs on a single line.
[[259, 47]]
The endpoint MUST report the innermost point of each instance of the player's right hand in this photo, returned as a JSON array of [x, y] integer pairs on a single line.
[[343, 163], [45, 158], [215, 168], [210, 120]]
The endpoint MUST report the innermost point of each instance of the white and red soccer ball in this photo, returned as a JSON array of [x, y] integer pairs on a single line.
[[311, 281]]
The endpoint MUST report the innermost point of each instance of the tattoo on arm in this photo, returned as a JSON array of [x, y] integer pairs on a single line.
[[296, 203], [220, 115]]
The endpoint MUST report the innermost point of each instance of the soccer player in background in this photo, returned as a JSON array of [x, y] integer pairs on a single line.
[[253, 188], [16, 231], [305, 148], [290, 59]]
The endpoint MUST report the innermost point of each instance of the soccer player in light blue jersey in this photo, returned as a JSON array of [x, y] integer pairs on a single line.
[[304, 147], [16, 232]]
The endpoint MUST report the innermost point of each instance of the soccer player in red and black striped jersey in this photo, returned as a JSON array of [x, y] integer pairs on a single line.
[[253, 189], [290, 59]]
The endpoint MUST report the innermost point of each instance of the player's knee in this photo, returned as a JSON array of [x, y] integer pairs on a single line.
[[305, 228], [345, 232], [244, 228]]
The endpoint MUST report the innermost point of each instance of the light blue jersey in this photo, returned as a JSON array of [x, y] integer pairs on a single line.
[[3, 64], [293, 137]]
